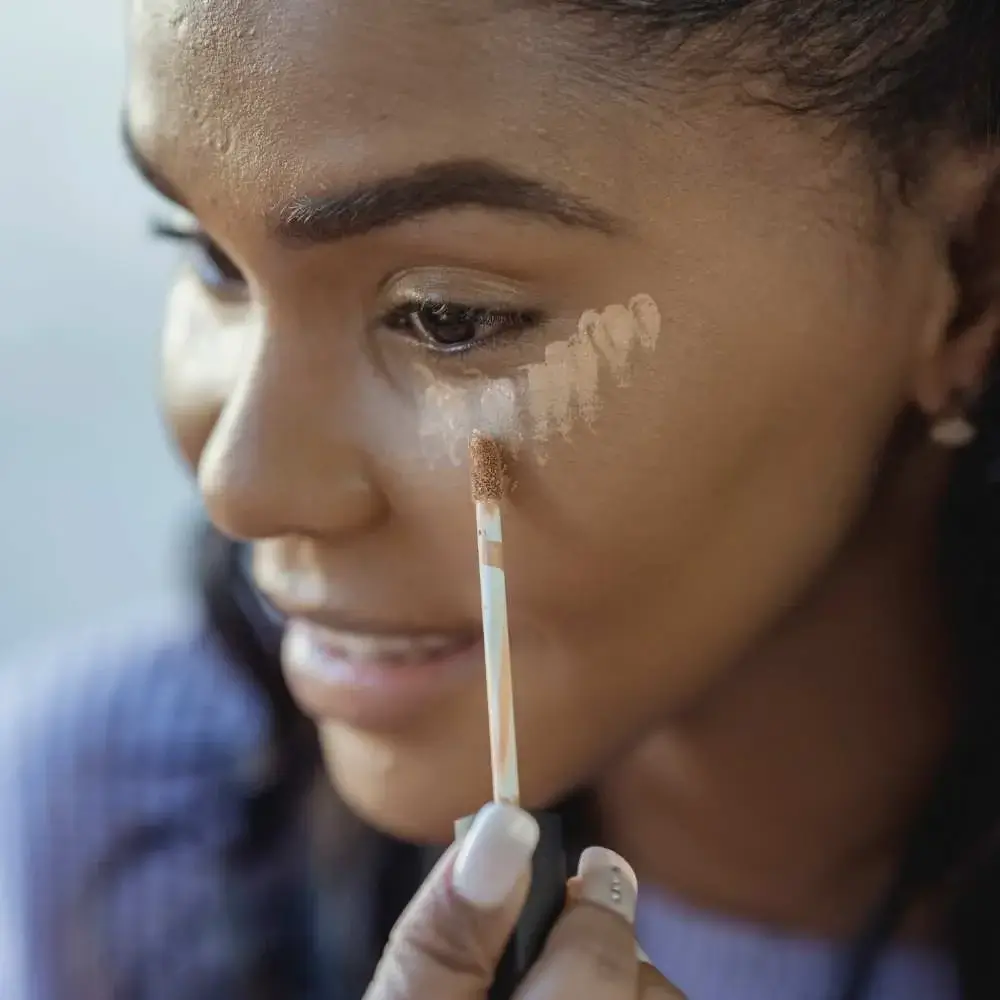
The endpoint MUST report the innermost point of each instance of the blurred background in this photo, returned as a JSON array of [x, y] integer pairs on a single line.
[[94, 506]]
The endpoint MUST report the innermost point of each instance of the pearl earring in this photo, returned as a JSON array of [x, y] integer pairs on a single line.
[[952, 428]]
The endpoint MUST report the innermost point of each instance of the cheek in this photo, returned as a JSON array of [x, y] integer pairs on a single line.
[[717, 485], [203, 348]]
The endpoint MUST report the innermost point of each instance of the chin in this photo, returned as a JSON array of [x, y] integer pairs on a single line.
[[402, 789]]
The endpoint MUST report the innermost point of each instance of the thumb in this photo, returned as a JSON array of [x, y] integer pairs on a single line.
[[449, 939]]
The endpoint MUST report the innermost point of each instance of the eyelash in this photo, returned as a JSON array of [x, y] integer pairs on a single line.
[[214, 267], [218, 272], [415, 319]]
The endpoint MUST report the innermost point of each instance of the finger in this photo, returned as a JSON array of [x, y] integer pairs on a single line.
[[450, 938], [591, 952]]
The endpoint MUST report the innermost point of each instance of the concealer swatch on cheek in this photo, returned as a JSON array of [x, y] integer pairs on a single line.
[[545, 399], [565, 388]]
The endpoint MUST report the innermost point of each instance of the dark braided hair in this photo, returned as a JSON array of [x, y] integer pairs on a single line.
[[899, 72]]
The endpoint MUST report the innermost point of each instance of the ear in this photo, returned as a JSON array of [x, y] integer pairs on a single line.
[[954, 364]]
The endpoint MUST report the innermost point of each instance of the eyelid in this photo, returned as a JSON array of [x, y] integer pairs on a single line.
[[216, 272], [456, 284]]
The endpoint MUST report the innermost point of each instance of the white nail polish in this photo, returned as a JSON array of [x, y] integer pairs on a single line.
[[495, 854], [607, 879], [462, 827]]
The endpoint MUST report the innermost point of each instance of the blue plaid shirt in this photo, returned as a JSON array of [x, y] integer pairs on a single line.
[[99, 743]]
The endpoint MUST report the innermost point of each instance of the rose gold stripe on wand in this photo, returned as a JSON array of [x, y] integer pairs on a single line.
[[507, 745], [491, 553]]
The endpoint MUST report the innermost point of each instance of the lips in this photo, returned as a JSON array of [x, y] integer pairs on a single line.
[[373, 681], [387, 650]]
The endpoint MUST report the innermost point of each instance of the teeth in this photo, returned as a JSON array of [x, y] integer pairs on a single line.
[[381, 649]]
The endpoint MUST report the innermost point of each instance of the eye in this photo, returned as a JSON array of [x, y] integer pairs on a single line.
[[215, 270], [452, 328]]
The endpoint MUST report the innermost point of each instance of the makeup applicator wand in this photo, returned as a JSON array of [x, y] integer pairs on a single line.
[[549, 866]]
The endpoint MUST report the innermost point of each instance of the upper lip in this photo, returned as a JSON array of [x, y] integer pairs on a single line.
[[364, 628]]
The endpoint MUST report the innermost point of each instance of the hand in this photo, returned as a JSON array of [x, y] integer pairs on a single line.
[[450, 938]]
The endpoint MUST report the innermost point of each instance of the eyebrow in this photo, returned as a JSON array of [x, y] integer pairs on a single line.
[[452, 184], [390, 201]]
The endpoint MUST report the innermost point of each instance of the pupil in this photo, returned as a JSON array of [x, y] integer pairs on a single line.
[[446, 326]]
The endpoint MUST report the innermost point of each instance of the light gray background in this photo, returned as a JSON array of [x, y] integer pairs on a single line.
[[93, 503]]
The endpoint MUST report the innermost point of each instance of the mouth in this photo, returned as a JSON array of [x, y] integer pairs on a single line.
[[375, 680]]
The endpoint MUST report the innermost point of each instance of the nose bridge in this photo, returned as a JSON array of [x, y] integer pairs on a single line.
[[282, 458]]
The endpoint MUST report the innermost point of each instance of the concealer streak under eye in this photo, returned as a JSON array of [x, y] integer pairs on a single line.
[[450, 413], [543, 399]]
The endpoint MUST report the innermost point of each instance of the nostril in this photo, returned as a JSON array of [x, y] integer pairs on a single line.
[[238, 492], [250, 494], [231, 506], [270, 468]]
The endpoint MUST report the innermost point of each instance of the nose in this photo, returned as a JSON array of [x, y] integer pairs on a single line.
[[280, 459]]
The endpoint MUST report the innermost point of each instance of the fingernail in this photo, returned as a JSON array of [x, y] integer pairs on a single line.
[[641, 955], [462, 827], [494, 855], [607, 880]]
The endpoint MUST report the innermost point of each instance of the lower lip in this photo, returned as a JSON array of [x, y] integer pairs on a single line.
[[366, 694]]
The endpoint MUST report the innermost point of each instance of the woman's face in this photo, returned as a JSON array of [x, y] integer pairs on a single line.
[[690, 322]]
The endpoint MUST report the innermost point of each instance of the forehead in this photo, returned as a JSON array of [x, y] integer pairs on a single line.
[[274, 92]]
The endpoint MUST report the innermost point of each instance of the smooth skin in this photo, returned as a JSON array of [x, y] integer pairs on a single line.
[[723, 612]]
